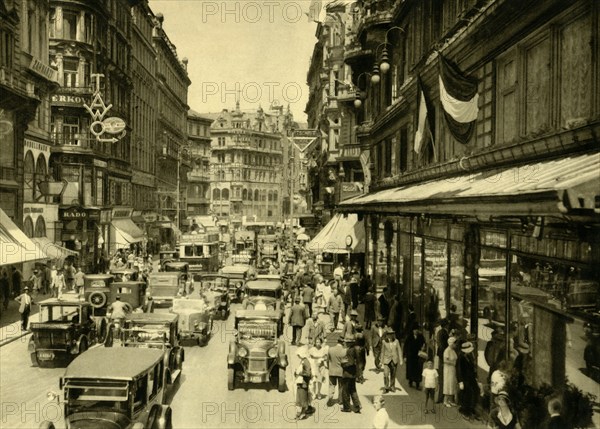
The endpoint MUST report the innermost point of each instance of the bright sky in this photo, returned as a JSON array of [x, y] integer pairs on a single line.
[[261, 48]]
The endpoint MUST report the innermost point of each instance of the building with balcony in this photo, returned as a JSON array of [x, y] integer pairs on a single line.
[[247, 164], [482, 124], [199, 142], [171, 129]]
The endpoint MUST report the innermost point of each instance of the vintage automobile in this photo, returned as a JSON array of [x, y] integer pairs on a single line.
[[154, 330], [122, 274], [164, 287], [168, 255], [258, 353], [65, 329], [215, 288], [175, 266], [100, 394], [263, 294], [591, 352], [97, 291], [195, 319], [238, 274]]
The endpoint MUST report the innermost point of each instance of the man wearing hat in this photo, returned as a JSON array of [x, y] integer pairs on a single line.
[[351, 326], [350, 367], [466, 376], [376, 339], [391, 357], [297, 320], [414, 343], [25, 303], [335, 356]]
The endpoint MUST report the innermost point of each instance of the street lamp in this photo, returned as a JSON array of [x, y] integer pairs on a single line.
[[384, 65], [349, 242], [358, 100]]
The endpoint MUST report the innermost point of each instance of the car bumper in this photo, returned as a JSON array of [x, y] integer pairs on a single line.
[[53, 357]]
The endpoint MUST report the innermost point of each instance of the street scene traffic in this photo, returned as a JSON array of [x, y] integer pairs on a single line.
[[316, 213]]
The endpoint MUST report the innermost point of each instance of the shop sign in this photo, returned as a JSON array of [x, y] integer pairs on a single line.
[[98, 110], [121, 213], [43, 70], [68, 100], [72, 213], [27, 210]]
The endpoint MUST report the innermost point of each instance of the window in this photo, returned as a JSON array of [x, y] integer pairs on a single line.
[[70, 69], [69, 25], [6, 48], [70, 130], [403, 149], [40, 227], [28, 179], [31, 29]]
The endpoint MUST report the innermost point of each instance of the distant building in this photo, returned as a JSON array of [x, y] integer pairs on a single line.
[[199, 142]]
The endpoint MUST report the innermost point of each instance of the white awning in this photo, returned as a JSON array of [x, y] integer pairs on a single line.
[[126, 232], [332, 238], [54, 251], [15, 246]]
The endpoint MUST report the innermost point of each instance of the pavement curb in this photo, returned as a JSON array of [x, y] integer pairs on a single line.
[[15, 338]]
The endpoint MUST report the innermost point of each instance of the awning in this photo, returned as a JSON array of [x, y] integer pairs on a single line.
[[53, 250], [15, 246], [567, 185], [126, 232], [332, 238]]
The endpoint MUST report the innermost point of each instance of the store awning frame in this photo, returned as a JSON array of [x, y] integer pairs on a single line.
[[332, 238], [15, 246], [54, 252], [126, 232], [569, 185]]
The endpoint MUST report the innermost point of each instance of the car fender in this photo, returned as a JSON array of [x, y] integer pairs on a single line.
[[282, 356], [78, 343], [231, 355]]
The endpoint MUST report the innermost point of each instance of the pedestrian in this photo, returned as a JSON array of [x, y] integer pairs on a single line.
[[382, 419], [411, 319], [361, 354], [441, 341], [376, 341], [385, 304], [350, 327], [79, 280], [5, 288], [523, 365], [25, 303], [317, 355], [395, 317], [556, 421], [346, 298], [16, 278], [349, 392], [369, 301], [338, 272], [58, 284], [354, 291], [503, 416], [35, 281], [308, 294], [391, 357], [297, 320], [303, 375], [46, 279], [414, 347], [466, 375], [449, 359], [315, 329], [335, 356], [69, 273], [430, 384], [334, 306]]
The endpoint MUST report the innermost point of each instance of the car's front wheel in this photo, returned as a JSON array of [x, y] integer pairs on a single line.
[[281, 386], [230, 378]]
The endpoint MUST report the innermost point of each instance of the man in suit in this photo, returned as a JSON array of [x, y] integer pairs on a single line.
[[315, 329], [377, 333], [349, 366], [308, 294], [391, 357], [351, 326], [297, 320], [335, 357]]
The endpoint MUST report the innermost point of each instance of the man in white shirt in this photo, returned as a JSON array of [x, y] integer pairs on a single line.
[[381, 420], [25, 302], [338, 273]]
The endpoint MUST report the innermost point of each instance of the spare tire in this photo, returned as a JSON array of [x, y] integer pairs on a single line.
[[98, 299]]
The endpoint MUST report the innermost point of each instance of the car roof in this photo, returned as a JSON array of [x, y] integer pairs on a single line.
[[268, 277], [166, 274], [212, 276], [122, 270], [257, 314], [70, 301], [153, 317], [176, 263], [263, 284], [234, 269], [98, 276], [101, 363]]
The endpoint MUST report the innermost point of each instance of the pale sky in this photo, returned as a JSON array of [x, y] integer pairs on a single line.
[[261, 48]]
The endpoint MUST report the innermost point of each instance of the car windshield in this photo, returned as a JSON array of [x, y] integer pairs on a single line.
[[146, 334], [251, 330], [100, 397], [214, 283], [59, 313], [188, 304], [263, 292]]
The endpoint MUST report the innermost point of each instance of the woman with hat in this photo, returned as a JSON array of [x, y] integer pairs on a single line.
[[466, 375], [303, 375], [449, 359], [414, 343], [503, 417]]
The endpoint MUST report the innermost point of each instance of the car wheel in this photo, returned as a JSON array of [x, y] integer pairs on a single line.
[[46, 425], [98, 299], [281, 386], [230, 378]]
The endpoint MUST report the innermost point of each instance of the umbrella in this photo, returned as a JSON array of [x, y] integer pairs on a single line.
[[302, 237]]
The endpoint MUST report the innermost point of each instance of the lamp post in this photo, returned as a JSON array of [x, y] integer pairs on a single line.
[[349, 241]]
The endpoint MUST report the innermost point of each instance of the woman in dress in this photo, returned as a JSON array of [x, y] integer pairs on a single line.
[[318, 364], [502, 417], [449, 387], [303, 375]]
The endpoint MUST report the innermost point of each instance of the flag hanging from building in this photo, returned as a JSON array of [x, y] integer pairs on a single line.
[[458, 94], [423, 131]]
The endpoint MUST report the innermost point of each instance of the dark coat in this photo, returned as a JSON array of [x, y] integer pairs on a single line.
[[298, 315], [369, 301], [466, 374], [349, 364], [414, 364], [442, 342], [384, 307]]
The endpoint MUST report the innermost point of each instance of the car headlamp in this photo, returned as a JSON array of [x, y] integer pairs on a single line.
[[272, 352], [242, 352]]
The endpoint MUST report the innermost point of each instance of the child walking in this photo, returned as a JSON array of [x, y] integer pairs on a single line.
[[430, 384]]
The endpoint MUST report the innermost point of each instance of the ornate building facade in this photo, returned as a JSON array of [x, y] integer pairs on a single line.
[[199, 142]]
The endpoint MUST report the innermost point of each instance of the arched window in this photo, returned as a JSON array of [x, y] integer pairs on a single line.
[[244, 194], [249, 194], [216, 194], [28, 227], [40, 227], [263, 195], [28, 177], [256, 195], [270, 196], [225, 194], [41, 170]]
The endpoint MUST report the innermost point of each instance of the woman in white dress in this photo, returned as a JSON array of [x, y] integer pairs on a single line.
[[449, 387], [317, 355]]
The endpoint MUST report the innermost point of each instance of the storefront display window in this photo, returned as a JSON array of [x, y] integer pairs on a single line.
[[404, 263], [457, 309], [436, 261], [417, 273]]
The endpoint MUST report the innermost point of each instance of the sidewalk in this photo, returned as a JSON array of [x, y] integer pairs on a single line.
[[10, 320]]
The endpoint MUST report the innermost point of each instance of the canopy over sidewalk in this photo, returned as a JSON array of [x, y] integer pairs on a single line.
[[332, 238]]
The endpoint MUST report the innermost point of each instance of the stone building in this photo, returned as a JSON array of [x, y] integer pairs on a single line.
[[199, 142]]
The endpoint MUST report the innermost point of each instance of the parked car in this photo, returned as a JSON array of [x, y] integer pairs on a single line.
[[195, 319], [155, 330], [116, 388], [238, 274], [65, 329], [165, 286], [258, 353], [96, 291], [216, 289], [176, 266]]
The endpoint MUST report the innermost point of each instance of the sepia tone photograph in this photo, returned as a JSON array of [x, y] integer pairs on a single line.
[[364, 214]]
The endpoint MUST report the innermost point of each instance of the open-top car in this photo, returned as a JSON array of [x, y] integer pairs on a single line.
[[215, 288], [115, 388], [238, 275], [65, 329], [155, 330], [258, 353], [195, 319]]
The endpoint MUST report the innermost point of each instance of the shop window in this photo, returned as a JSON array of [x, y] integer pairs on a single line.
[[28, 227], [40, 227], [457, 309], [417, 275], [436, 271]]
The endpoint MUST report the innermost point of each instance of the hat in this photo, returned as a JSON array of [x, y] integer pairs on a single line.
[[467, 347], [297, 299], [523, 347], [389, 330], [451, 340], [26, 289], [354, 313], [504, 395]]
